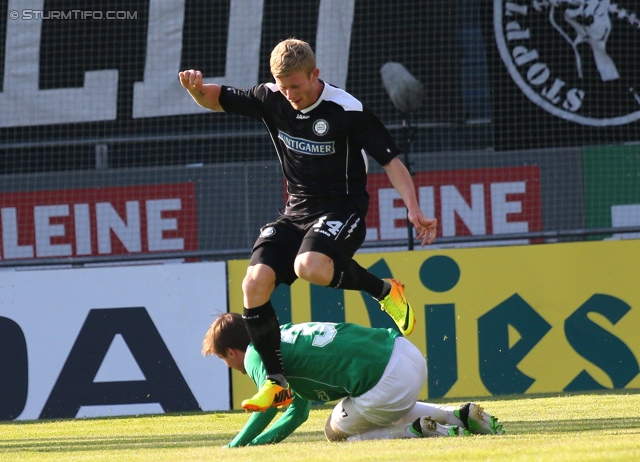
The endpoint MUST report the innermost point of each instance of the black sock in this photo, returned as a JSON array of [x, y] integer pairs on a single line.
[[264, 332], [349, 275], [385, 290]]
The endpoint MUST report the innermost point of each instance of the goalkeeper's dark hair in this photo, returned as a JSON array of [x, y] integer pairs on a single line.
[[227, 331]]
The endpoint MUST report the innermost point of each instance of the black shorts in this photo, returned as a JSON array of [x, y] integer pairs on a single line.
[[332, 234]]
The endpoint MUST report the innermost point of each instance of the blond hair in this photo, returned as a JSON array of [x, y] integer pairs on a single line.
[[292, 55]]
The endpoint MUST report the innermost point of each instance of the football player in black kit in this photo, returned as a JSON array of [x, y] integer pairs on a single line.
[[321, 134]]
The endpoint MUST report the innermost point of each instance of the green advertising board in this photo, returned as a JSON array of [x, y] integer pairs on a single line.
[[612, 186]]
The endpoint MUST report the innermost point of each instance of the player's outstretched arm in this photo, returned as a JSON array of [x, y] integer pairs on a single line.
[[401, 180], [294, 416], [205, 94], [256, 424]]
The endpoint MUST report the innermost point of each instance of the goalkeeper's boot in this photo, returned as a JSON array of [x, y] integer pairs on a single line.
[[426, 426], [396, 306], [477, 421], [269, 395]]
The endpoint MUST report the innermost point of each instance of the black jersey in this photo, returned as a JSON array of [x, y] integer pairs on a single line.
[[321, 148]]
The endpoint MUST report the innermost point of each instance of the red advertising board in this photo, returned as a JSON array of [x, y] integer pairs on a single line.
[[466, 202], [99, 221]]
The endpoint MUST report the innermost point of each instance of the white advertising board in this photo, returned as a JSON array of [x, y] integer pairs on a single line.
[[109, 341]]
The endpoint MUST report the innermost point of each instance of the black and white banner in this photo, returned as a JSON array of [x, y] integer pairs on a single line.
[[564, 72], [71, 62]]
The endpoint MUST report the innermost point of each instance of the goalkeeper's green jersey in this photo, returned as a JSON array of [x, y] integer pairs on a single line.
[[322, 362], [325, 361]]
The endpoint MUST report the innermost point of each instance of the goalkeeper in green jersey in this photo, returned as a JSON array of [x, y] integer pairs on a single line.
[[375, 373]]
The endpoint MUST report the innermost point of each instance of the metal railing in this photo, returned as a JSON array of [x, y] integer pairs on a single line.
[[232, 254]]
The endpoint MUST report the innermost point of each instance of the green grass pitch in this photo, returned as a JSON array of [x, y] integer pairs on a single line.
[[568, 427]]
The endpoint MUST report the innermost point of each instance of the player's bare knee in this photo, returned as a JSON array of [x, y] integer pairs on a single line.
[[314, 267], [249, 284], [302, 267], [258, 284]]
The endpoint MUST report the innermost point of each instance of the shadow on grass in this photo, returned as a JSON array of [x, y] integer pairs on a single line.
[[115, 443], [138, 442]]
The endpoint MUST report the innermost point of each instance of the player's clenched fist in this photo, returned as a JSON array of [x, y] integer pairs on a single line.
[[205, 94], [191, 80]]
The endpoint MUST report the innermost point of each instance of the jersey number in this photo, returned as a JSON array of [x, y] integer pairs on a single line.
[[333, 227], [323, 334]]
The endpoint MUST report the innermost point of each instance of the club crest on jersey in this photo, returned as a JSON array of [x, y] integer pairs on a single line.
[[557, 52], [268, 231], [312, 148], [320, 127]]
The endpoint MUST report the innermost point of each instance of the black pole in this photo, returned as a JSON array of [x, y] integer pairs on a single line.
[[406, 125]]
